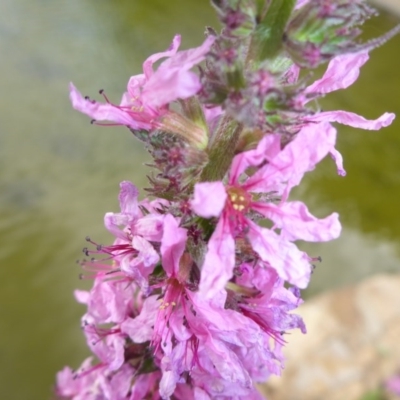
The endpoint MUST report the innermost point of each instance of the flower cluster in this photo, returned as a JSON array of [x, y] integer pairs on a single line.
[[193, 299]]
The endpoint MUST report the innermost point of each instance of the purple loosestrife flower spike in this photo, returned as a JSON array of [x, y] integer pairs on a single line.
[[193, 298]]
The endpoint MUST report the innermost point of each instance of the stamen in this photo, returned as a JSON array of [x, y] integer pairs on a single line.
[[101, 91]]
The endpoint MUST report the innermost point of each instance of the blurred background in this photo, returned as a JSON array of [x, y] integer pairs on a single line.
[[59, 174]]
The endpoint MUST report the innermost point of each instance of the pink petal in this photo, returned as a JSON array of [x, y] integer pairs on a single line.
[[168, 384], [140, 329], [342, 72], [173, 79], [172, 245], [287, 168], [173, 48], [150, 227], [354, 120], [296, 222], [290, 263], [208, 199], [147, 255], [81, 296], [112, 221], [337, 157], [219, 261], [103, 112], [268, 148]]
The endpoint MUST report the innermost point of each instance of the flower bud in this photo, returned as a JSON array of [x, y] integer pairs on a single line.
[[322, 29]]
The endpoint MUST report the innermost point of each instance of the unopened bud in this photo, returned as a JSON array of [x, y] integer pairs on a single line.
[[322, 29]]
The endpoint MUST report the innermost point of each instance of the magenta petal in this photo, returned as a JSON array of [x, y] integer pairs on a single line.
[[147, 256], [354, 120], [267, 149], [296, 222], [219, 261], [141, 328], [173, 78], [100, 111], [173, 48], [168, 384], [82, 296], [172, 245], [342, 72], [208, 199], [289, 262], [286, 169], [113, 221], [337, 157], [149, 227]]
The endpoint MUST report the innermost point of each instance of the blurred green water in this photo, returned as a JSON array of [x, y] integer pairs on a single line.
[[59, 174]]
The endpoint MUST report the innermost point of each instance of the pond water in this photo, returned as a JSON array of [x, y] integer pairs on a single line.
[[59, 174]]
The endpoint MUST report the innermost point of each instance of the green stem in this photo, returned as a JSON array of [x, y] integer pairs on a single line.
[[222, 150]]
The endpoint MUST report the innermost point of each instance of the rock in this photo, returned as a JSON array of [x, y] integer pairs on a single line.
[[352, 344]]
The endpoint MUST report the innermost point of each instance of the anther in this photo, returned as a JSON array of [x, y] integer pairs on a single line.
[[101, 91], [87, 238], [92, 121]]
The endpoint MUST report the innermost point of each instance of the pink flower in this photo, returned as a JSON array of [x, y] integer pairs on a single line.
[[93, 383], [132, 250], [149, 94], [342, 72], [231, 203], [109, 301]]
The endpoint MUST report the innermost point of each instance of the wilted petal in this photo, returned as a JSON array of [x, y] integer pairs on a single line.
[[208, 199]]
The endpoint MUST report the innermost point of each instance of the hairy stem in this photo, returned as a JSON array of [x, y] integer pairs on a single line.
[[222, 150]]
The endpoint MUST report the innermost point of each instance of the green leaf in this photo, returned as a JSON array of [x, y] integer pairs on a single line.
[[267, 40]]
